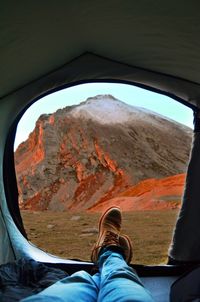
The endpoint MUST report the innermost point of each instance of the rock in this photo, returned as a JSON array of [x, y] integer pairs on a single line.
[[75, 218], [92, 230], [50, 226], [86, 235]]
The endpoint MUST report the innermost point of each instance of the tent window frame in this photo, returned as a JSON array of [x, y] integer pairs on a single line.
[[9, 175]]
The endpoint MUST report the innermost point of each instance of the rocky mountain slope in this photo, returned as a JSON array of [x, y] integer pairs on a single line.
[[149, 194], [83, 155]]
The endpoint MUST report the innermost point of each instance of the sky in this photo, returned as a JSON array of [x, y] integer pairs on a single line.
[[127, 93]]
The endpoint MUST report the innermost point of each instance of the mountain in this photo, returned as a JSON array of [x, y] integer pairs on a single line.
[[84, 155], [149, 194]]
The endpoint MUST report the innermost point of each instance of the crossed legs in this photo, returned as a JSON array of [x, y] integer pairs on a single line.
[[115, 281]]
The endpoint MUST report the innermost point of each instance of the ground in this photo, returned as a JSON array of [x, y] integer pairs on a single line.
[[72, 235]]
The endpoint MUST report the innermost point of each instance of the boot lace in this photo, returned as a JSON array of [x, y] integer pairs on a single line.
[[111, 238]]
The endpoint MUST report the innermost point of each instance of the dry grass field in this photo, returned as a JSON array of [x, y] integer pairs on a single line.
[[72, 235]]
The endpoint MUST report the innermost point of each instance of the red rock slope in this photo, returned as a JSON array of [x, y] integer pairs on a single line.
[[150, 194]]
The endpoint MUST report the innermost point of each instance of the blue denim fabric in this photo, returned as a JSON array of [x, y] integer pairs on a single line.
[[119, 282], [116, 281]]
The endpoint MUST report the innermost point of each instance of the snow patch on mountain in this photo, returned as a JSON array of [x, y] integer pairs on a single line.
[[106, 109]]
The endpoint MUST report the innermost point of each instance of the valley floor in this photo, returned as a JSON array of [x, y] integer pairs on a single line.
[[72, 235]]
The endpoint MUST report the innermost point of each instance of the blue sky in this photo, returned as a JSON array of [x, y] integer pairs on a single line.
[[127, 93]]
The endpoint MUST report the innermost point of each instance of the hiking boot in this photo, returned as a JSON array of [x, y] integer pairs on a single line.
[[109, 230], [126, 246]]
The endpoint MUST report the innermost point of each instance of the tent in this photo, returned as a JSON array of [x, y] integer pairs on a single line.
[[50, 45]]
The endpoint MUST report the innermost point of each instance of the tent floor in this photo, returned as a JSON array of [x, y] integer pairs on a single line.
[[159, 287]]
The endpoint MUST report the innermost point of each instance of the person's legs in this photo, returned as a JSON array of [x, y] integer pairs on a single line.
[[119, 282], [79, 287], [116, 281], [112, 251]]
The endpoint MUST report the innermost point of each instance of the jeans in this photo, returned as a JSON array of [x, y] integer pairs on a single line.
[[115, 281]]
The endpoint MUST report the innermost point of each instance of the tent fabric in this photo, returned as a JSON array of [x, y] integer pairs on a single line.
[[85, 67], [50, 45], [6, 252], [38, 38], [187, 287], [26, 277], [185, 246]]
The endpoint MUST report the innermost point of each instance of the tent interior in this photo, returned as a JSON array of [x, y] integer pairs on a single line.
[[50, 45]]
